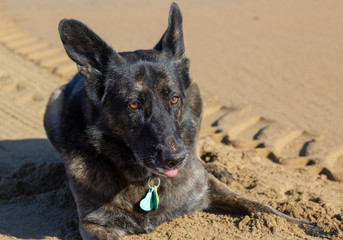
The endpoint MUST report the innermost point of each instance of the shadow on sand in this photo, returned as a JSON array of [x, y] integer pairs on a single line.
[[35, 201]]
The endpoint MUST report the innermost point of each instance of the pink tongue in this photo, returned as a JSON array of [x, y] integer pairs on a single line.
[[171, 173]]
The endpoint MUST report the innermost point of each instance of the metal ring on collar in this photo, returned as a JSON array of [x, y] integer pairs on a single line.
[[158, 184]]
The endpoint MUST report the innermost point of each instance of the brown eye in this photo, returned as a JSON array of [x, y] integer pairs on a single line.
[[174, 100], [134, 105]]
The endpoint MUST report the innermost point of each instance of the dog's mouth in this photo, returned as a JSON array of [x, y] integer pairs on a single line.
[[163, 170]]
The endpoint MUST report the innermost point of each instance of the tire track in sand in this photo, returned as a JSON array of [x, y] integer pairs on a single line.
[[281, 143], [34, 49], [24, 91], [25, 86]]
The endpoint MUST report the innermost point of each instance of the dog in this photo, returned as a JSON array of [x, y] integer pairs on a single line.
[[128, 120]]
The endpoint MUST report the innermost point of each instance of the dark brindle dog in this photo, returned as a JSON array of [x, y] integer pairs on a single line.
[[129, 117]]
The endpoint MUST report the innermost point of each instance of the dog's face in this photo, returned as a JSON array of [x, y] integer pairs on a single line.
[[138, 96]]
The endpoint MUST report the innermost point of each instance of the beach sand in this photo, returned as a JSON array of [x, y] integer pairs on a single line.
[[270, 73]]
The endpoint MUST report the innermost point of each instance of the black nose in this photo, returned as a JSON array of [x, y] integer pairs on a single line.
[[173, 160]]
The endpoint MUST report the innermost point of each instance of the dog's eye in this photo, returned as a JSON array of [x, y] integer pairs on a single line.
[[174, 100], [134, 105]]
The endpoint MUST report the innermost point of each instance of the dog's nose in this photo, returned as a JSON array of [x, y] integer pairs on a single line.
[[173, 160]]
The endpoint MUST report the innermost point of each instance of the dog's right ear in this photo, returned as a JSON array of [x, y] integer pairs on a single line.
[[86, 48]]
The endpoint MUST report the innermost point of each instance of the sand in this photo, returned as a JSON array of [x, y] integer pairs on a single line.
[[270, 74]]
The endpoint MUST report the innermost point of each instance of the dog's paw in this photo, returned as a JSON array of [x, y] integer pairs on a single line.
[[220, 172], [314, 230]]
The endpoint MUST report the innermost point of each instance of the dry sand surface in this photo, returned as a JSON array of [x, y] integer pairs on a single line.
[[271, 76]]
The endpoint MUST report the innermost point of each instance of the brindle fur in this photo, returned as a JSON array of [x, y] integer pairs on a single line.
[[111, 150]]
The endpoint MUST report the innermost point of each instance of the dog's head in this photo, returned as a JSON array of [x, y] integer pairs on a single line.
[[138, 96]]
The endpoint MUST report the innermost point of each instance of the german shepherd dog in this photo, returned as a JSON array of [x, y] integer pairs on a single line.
[[130, 119]]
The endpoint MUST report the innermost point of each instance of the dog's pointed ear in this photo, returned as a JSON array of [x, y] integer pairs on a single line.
[[172, 40], [86, 48]]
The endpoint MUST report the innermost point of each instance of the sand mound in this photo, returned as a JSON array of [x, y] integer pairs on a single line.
[[36, 201]]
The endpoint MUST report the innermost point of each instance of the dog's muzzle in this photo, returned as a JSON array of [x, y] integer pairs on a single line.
[[172, 160]]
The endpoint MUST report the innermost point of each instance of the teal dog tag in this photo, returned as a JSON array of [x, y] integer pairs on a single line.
[[150, 201], [147, 203]]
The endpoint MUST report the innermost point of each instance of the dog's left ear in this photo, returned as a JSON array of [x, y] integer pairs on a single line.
[[172, 40]]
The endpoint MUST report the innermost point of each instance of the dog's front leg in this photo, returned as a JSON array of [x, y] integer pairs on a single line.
[[222, 198], [91, 231]]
